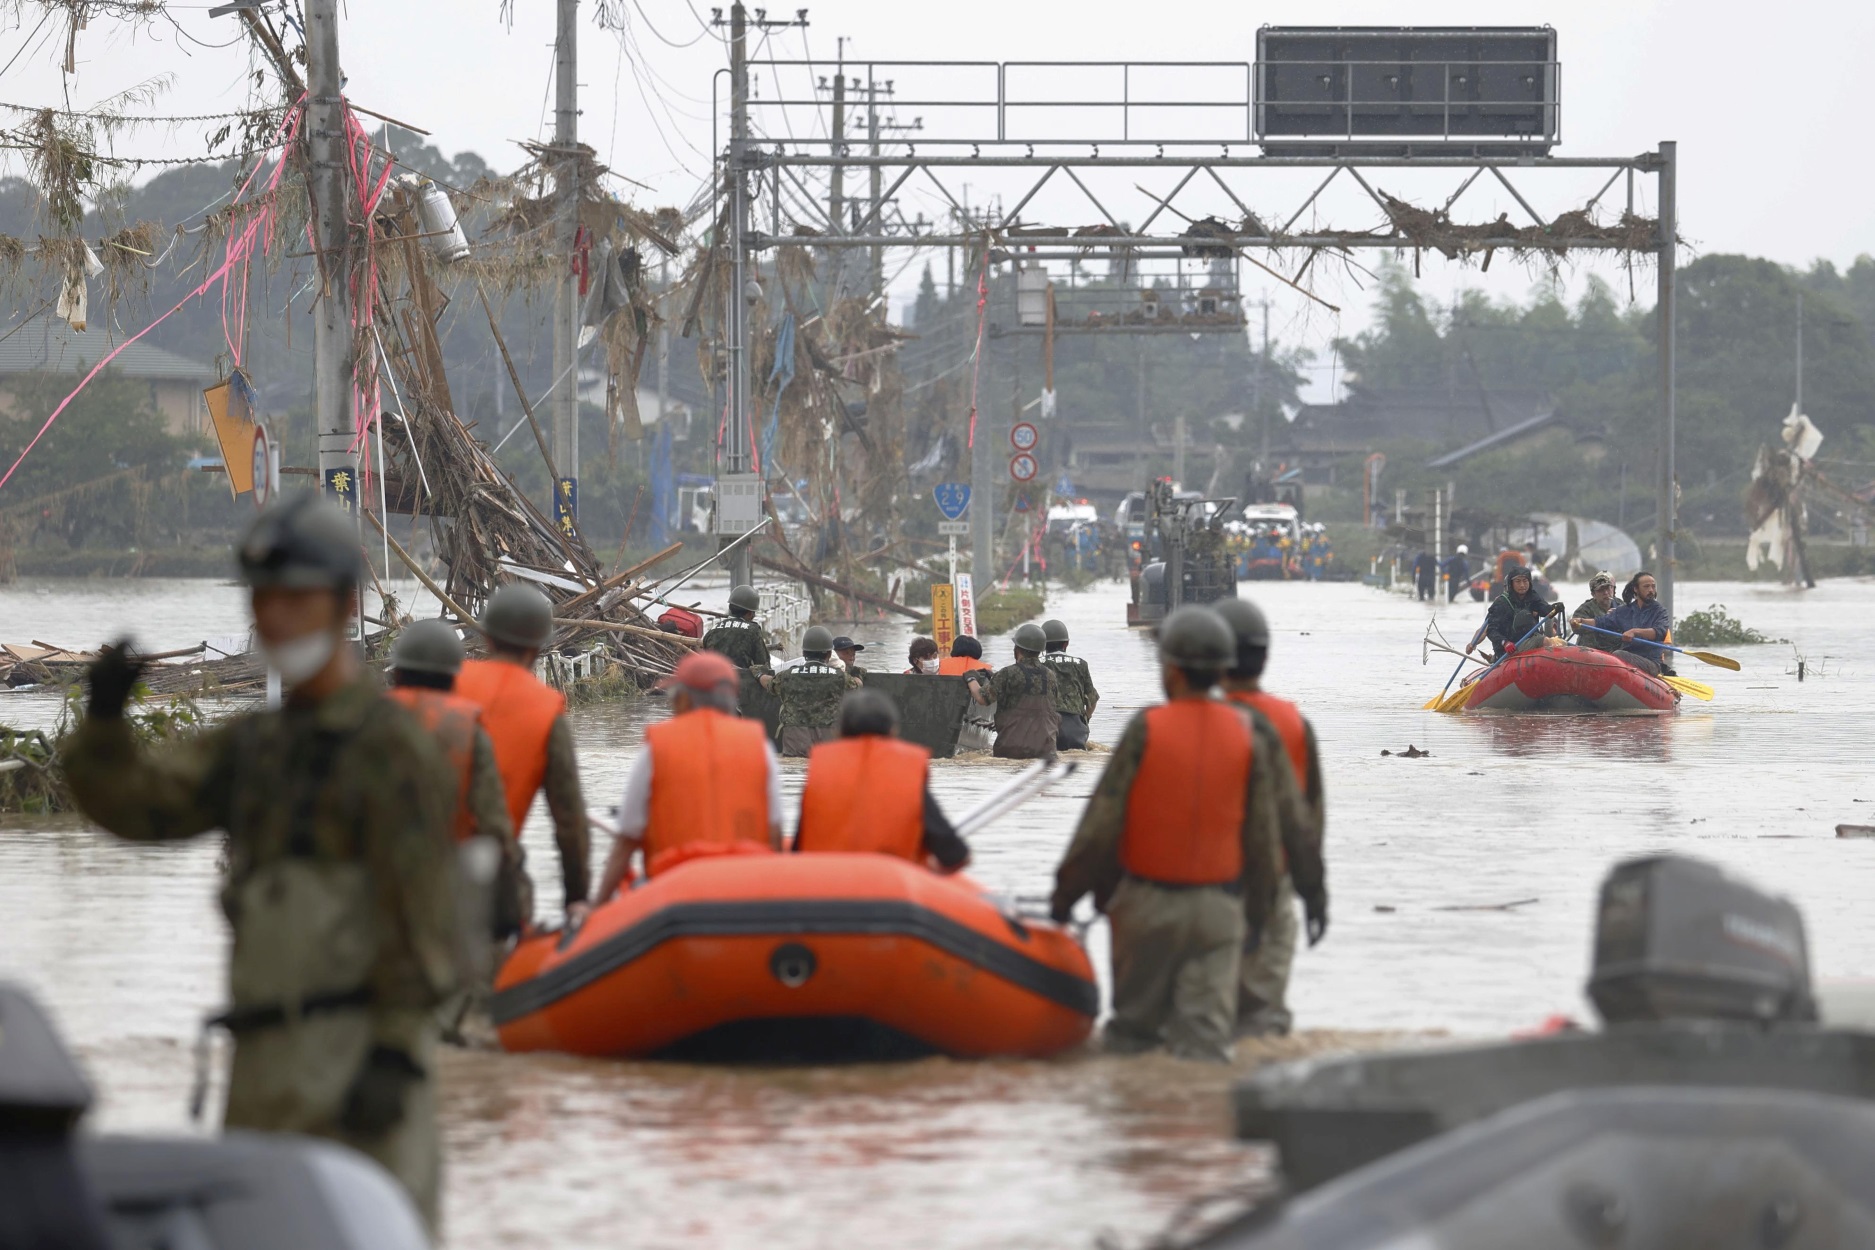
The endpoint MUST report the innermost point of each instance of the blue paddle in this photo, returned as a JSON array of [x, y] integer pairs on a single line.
[[1717, 661]]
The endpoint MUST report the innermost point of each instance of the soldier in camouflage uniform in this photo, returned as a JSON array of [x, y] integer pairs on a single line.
[[1025, 693], [810, 694], [1075, 697], [341, 878], [738, 636]]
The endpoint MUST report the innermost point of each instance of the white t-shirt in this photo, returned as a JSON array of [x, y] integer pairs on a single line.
[[634, 812]]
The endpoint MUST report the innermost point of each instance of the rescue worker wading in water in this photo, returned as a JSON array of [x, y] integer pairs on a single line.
[[1027, 724], [1181, 847], [706, 778], [424, 662], [810, 691], [868, 791], [1263, 985], [1075, 695], [341, 873], [526, 721]]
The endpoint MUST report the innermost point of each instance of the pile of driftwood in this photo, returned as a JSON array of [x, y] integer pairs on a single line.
[[485, 530]]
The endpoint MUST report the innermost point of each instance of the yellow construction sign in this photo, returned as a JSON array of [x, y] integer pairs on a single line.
[[943, 616]]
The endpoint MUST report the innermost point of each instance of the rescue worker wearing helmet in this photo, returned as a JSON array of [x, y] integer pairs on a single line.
[[706, 779], [424, 662], [526, 720], [868, 791], [738, 637], [1263, 984], [1181, 847], [810, 692], [1075, 696], [340, 885], [1025, 692]]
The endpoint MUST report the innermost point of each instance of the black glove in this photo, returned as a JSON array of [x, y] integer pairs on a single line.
[[1060, 912], [112, 676], [375, 1102], [1315, 916]]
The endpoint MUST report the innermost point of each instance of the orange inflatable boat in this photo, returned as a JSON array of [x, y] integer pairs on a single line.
[[790, 958]]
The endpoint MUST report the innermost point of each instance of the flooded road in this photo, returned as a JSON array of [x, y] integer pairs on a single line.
[[124, 943]]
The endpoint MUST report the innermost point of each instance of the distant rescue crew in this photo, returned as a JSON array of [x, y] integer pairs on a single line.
[[1027, 724], [705, 781], [868, 791], [1263, 985], [341, 872], [1075, 696], [738, 636], [526, 720], [424, 662], [810, 694], [1181, 847]]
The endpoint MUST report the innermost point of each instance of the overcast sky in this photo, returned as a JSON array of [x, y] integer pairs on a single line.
[[1760, 99]]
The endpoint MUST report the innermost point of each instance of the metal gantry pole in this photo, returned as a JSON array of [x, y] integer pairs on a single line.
[[736, 433], [565, 418], [1664, 320], [332, 326]]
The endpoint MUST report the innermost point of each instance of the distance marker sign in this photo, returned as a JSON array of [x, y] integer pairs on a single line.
[[1022, 467]]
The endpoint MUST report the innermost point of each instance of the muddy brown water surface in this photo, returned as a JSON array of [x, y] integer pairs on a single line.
[[125, 945]]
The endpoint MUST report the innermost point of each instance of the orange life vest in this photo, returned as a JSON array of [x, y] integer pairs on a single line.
[[1184, 815], [452, 721], [958, 665], [1286, 717], [518, 711], [865, 794], [709, 782]]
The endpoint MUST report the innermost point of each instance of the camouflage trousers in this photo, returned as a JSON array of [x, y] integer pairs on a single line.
[[1072, 736], [798, 740], [294, 1078], [1263, 984], [1175, 962]]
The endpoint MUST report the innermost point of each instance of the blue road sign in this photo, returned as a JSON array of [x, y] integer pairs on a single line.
[[952, 499]]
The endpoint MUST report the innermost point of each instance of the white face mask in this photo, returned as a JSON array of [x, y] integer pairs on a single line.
[[928, 666], [299, 658]]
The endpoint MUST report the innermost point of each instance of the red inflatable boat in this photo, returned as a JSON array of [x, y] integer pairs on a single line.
[[783, 958], [1568, 679]]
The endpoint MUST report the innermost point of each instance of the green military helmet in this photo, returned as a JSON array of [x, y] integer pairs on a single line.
[[746, 598], [1197, 638], [1246, 620], [302, 543], [519, 616], [427, 647], [1030, 638], [1055, 631], [817, 638]]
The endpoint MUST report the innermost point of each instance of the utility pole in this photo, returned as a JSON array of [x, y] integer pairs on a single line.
[[565, 411], [836, 182], [1799, 396], [1256, 393], [739, 492], [876, 273], [1664, 318], [332, 328]]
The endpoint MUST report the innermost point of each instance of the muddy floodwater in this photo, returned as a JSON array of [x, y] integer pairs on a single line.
[[1462, 885]]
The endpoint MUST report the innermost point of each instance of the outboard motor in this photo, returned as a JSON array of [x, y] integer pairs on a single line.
[[1679, 939]]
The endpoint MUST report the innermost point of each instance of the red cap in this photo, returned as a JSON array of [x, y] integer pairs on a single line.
[[702, 671]]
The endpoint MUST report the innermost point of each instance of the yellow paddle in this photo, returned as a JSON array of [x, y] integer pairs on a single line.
[[1708, 657], [1455, 702], [1686, 685]]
